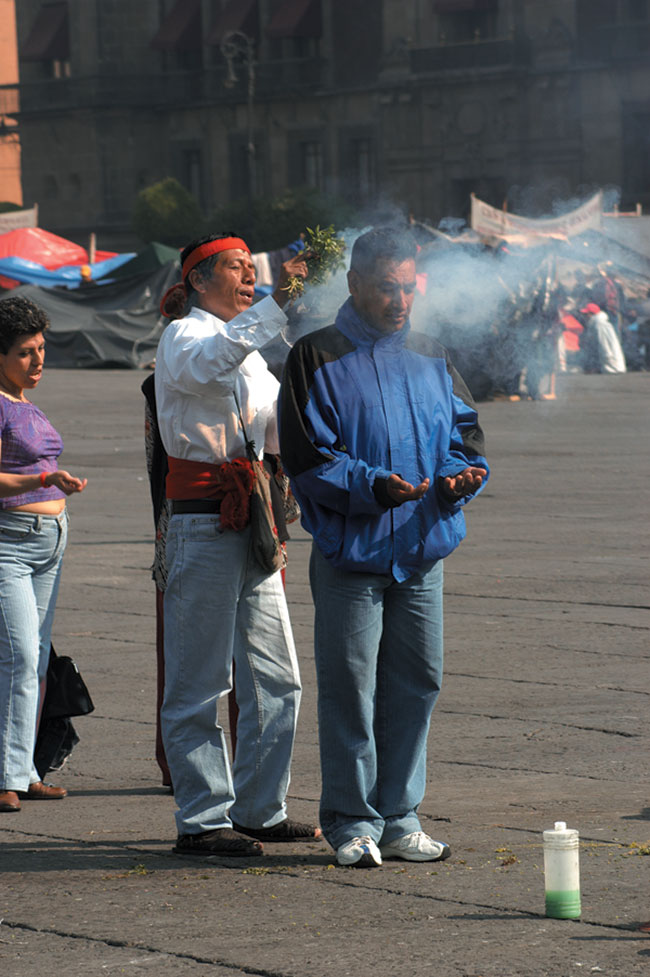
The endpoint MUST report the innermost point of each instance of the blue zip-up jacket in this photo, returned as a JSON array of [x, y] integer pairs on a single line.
[[356, 405]]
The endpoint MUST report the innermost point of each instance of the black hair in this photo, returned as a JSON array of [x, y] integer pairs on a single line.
[[204, 267], [20, 317], [382, 244]]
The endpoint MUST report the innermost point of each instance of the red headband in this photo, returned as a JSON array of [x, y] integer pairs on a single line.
[[212, 247]]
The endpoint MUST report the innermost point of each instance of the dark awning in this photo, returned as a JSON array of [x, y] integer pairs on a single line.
[[181, 28], [296, 18], [463, 6], [237, 15], [48, 39]]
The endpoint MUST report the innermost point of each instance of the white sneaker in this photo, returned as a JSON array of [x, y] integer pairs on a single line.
[[416, 847], [360, 852]]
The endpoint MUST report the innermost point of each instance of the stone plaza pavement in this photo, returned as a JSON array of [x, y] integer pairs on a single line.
[[543, 716]]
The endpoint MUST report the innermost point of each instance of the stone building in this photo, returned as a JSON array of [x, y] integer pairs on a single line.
[[10, 185], [413, 102]]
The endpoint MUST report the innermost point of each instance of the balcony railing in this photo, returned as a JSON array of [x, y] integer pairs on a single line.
[[481, 54], [302, 74], [173, 88], [615, 42]]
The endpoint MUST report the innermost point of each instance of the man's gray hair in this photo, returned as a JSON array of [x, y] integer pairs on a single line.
[[382, 244]]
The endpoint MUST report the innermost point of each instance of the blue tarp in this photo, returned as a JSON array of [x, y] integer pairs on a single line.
[[31, 273]]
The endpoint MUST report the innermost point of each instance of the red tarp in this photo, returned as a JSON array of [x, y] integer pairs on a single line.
[[49, 250]]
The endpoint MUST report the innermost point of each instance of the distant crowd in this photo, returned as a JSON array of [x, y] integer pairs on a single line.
[[593, 326], [604, 331]]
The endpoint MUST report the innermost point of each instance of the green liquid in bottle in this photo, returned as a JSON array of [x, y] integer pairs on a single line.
[[563, 905]]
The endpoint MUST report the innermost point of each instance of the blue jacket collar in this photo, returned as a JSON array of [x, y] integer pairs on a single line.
[[358, 331]]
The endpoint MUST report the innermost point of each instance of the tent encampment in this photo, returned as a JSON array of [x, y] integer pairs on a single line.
[[33, 244], [146, 262], [113, 325]]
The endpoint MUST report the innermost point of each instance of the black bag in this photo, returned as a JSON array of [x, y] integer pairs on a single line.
[[66, 692], [56, 738], [65, 695]]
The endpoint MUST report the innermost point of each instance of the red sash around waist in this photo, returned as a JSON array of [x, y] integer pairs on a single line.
[[230, 483]]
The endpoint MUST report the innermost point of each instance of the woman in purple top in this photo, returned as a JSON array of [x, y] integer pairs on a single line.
[[33, 530]]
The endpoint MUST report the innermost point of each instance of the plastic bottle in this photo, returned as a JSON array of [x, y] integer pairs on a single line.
[[562, 872]]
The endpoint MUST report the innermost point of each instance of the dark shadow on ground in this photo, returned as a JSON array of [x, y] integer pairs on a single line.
[[643, 815], [610, 939], [134, 857], [121, 791], [496, 916]]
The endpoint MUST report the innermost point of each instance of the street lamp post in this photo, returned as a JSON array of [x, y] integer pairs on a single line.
[[234, 44]]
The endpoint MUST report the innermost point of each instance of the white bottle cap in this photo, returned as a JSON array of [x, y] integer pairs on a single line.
[[560, 825]]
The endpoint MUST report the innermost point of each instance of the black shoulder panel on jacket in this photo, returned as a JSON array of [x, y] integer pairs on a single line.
[[323, 346], [311, 353], [308, 355]]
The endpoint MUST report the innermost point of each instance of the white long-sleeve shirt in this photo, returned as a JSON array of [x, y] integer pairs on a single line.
[[200, 362]]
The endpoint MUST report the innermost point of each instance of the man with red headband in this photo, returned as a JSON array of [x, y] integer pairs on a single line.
[[221, 608]]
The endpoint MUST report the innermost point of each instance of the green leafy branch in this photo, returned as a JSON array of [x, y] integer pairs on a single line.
[[324, 253]]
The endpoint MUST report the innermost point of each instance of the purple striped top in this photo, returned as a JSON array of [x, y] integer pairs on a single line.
[[29, 445]]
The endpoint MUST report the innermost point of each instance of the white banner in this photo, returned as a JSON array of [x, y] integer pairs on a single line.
[[19, 218], [490, 222]]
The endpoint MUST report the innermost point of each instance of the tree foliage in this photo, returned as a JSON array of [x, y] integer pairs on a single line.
[[168, 213], [267, 224]]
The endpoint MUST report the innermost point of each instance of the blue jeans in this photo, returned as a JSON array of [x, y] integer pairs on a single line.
[[378, 646], [31, 551], [221, 607]]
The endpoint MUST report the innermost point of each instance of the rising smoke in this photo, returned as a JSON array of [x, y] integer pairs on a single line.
[[494, 305]]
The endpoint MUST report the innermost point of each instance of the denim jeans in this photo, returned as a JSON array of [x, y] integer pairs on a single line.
[[221, 607], [31, 551], [378, 646]]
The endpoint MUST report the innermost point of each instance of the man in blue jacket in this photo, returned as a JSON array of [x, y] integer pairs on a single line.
[[381, 439]]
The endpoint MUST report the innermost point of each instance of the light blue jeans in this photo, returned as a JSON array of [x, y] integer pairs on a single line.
[[378, 646], [31, 551], [221, 607]]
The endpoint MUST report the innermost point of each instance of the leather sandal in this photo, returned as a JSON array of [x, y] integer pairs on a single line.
[[286, 830], [220, 841]]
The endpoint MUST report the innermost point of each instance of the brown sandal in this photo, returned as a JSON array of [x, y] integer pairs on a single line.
[[220, 841], [286, 830]]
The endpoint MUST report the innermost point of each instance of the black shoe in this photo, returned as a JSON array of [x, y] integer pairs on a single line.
[[220, 841], [286, 830]]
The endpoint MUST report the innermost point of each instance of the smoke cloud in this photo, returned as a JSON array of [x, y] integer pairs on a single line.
[[494, 305]]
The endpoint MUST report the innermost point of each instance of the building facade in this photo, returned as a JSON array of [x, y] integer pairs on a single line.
[[10, 182], [415, 103]]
